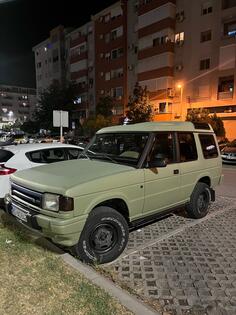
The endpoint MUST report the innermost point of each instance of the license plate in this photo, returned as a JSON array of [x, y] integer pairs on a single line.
[[19, 214]]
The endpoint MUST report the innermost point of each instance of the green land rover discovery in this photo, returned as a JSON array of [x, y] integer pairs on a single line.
[[125, 176]]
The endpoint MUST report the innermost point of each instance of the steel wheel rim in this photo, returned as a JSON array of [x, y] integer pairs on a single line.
[[103, 238]]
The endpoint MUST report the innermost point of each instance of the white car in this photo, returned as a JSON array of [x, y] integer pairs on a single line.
[[22, 156]]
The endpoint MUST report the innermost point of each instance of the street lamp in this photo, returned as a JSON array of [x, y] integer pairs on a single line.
[[180, 87]]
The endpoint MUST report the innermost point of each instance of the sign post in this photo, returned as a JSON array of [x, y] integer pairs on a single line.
[[60, 119]]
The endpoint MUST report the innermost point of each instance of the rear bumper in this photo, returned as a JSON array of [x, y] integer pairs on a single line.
[[64, 232]]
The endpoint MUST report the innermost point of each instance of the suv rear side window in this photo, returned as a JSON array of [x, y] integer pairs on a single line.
[[209, 148], [187, 147], [5, 155]]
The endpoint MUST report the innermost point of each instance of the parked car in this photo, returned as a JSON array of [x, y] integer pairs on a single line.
[[19, 157], [228, 153], [128, 175]]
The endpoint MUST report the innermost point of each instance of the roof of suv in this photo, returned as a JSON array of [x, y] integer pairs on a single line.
[[159, 126]]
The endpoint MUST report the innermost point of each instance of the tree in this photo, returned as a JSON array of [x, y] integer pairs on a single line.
[[217, 125], [30, 127], [56, 97], [139, 108], [93, 124], [105, 106], [203, 115]]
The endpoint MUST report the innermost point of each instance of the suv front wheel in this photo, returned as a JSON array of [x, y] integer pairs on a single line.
[[104, 236], [200, 198]]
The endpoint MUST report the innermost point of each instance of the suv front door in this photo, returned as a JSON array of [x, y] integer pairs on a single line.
[[162, 184]]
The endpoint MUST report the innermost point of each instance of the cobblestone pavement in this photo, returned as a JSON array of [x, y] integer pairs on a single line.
[[186, 266]]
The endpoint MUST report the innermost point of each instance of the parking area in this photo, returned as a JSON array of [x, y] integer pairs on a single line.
[[184, 266]]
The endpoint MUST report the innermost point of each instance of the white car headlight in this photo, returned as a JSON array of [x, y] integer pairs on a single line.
[[51, 202]]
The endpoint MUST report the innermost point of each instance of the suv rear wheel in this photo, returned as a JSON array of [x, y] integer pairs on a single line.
[[104, 236], [199, 201]]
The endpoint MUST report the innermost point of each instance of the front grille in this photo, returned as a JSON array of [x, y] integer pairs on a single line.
[[30, 196]]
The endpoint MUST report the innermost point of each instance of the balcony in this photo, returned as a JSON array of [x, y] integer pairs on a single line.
[[78, 41], [156, 50], [150, 5], [225, 95], [76, 58]]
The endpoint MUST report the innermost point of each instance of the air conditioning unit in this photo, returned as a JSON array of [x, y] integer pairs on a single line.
[[180, 16], [102, 92], [102, 74], [179, 67], [131, 46], [131, 67], [101, 36], [102, 55], [170, 92], [101, 19]]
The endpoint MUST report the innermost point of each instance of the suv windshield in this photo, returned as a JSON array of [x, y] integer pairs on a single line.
[[123, 148]]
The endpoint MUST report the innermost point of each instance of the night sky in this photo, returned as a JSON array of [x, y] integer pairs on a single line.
[[25, 23]]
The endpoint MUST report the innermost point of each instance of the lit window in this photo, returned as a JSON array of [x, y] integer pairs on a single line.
[[179, 37]]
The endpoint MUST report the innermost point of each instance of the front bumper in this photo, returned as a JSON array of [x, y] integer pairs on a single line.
[[64, 232]]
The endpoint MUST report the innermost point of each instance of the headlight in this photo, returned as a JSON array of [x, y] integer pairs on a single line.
[[57, 203], [51, 202]]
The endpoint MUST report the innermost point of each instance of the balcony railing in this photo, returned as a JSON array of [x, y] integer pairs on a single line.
[[225, 95]]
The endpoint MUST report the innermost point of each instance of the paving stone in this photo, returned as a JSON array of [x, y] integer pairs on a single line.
[[192, 272]]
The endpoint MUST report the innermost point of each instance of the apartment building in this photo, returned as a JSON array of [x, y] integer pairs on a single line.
[[205, 64], [50, 59], [80, 68], [182, 50], [16, 103], [111, 55]]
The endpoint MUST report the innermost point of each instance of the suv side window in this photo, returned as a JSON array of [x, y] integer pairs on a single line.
[[187, 147], [209, 148], [163, 148]]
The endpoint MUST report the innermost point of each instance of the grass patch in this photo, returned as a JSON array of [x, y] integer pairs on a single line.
[[34, 280]]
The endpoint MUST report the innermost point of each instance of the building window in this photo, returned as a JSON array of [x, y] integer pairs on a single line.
[[162, 107], [118, 32], [179, 38], [226, 84], [107, 37], [117, 53], [206, 7], [107, 76], [226, 4], [117, 73], [39, 65], [117, 92], [205, 36], [230, 28], [205, 64]]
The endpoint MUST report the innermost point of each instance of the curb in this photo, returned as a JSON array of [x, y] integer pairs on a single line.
[[126, 299]]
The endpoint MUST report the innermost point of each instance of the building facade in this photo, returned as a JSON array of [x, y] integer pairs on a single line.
[[50, 59], [16, 104], [80, 68], [184, 51]]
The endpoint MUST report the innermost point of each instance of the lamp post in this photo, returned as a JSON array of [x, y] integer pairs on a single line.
[[180, 87]]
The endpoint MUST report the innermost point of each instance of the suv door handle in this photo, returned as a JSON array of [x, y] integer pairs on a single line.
[[176, 172]]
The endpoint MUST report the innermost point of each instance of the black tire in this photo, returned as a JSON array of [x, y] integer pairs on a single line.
[[198, 206], [103, 238]]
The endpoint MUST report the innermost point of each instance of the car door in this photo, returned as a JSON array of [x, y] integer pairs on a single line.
[[190, 164], [162, 184]]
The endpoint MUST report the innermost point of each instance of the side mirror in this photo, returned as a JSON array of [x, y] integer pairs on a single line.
[[157, 163]]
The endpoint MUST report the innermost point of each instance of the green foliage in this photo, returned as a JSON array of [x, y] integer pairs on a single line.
[[105, 106], [203, 115], [93, 124], [139, 108], [56, 97]]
